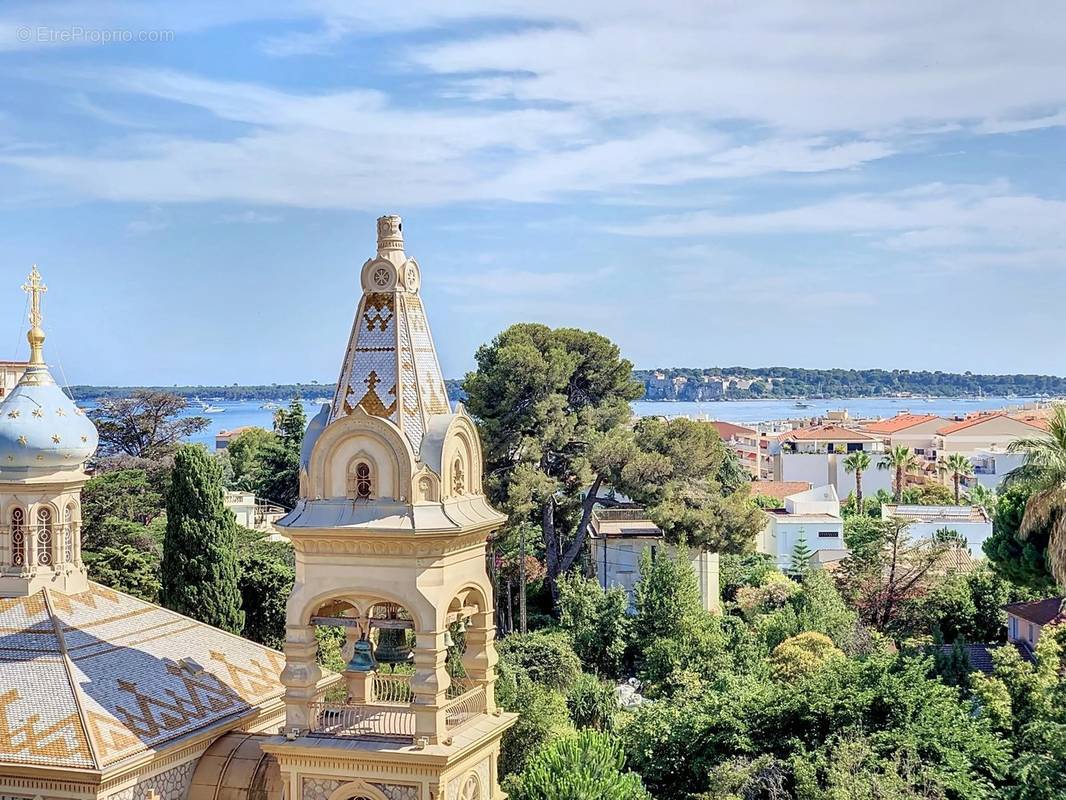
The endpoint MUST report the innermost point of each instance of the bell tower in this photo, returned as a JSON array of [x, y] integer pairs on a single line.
[[389, 536]]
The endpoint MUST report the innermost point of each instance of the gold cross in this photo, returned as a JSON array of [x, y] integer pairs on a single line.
[[34, 288]]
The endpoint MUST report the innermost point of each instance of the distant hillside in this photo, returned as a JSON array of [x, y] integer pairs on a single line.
[[745, 383], [275, 391], [710, 383]]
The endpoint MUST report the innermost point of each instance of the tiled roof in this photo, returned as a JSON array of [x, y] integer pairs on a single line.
[[778, 489], [830, 433], [977, 419], [1036, 420], [1040, 612], [727, 430], [898, 423], [87, 680]]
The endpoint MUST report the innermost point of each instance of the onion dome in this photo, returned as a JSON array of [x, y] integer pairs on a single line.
[[40, 427]]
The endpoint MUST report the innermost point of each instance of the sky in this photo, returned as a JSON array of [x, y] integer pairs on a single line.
[[808, 184]]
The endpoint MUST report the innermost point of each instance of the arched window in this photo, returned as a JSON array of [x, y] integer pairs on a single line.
[[18, 538], [458, 478], [45, 557], [361, 482], [68, 533]]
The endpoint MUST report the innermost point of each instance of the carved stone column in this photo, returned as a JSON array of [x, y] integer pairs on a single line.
[[480, 657], [430, 685], [301, 675]]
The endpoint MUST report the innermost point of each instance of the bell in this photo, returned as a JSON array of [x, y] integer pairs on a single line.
[[362, 657], [448, 640], [393, 647], [462, 624]]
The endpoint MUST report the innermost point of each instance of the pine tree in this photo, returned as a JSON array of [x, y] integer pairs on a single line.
[[199, 569], [801, 559]]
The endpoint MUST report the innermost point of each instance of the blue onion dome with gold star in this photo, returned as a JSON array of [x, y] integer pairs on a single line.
[[41, 430]]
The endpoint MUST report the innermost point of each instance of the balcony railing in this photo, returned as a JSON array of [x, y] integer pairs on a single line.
[[389, 714], [464, 708], [391, 690], [350, 720], [620, 514]]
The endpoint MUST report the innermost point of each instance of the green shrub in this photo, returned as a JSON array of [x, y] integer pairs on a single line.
[[546, 657], [592, 703], [588, 766]]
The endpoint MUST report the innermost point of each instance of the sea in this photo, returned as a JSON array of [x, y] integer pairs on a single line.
[[238, 414]]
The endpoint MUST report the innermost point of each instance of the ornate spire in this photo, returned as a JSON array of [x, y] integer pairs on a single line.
[[34, 288], [390, 369]]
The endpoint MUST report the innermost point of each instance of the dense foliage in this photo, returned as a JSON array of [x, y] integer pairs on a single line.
[[199, 567]]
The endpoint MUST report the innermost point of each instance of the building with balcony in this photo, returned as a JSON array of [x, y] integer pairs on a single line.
[[743, 441], [817, 454], [983, 432], [619, 537], [914, 431], [991, 465]]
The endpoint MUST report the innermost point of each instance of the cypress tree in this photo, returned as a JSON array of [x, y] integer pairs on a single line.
[[199, 569]]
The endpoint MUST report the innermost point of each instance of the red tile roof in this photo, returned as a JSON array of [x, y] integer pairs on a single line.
[[727, 430], [1040, 612], [898, 423], [1030, 418], [830, 433], [977, 419]]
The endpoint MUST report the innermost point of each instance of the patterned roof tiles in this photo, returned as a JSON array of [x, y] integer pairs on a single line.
[[900, 422], [89, 679]]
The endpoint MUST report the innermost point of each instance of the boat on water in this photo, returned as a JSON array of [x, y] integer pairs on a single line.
[[801, 404], [270, 406], [210, 409]]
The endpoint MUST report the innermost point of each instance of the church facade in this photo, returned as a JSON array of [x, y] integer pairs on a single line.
[[105, 696]]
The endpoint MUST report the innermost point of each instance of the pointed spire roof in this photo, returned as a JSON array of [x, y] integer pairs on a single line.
[[390, 369]]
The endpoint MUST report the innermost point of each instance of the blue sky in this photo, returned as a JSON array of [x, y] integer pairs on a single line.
[[804, 184]]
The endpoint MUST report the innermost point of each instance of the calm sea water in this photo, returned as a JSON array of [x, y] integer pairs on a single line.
[[741, 411]]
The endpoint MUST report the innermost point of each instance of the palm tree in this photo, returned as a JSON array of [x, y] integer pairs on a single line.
[[1045, 470], [857, 461], [957, 466], [981, 495], [902, 460]]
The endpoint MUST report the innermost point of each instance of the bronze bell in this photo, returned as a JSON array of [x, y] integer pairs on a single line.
[[393, 647], [362, 657]]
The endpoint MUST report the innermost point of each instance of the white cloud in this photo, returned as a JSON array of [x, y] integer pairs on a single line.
[[153, 220]]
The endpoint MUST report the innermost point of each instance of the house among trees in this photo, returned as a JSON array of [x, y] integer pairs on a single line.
[[1027, 620]]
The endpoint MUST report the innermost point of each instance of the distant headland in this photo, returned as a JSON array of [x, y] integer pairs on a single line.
[[704, 384]]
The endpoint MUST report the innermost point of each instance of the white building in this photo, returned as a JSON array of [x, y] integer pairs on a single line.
[[914, 431], [252, 512], [992, 465], [743, 441], [812, 516], [817, 455], [619, 537], [984, 431], [971, 522]]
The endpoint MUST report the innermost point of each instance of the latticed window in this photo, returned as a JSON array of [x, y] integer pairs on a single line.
[[361, 482], [45, 535], [458, 479], [68, 533], [18, 538]]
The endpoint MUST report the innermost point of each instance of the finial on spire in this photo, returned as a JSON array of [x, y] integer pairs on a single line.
[[390, 234], [35, 288]]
